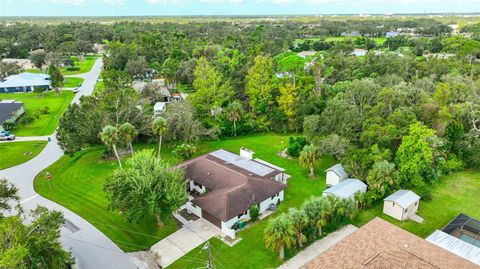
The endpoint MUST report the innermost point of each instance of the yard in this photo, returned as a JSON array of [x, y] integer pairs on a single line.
[[15, 153], [46, 123], [83, 66], [77, 183], [72, 82]]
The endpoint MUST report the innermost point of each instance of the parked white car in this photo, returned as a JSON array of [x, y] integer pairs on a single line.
[[6, 136]]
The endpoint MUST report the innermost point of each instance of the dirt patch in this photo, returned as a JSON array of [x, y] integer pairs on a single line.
[[188, 215]]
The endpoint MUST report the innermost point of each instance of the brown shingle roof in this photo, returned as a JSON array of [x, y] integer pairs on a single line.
[[380, 244], [232, 189]]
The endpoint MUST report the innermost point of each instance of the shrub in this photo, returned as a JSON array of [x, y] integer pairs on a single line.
[[295, 145], [426, 194], [45, 110], [254, 213], [26, 120], [184, 151], [73, 68], [8, 125]]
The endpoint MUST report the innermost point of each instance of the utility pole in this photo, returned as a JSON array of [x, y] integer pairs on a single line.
[[209, 265]]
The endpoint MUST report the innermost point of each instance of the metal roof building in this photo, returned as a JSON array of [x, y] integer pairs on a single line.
[[403, 198], [461, 237], [346, 189], [25, 82]]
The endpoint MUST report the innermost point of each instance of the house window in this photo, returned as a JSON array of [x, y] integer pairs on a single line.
[[406, 209], [416, 203]]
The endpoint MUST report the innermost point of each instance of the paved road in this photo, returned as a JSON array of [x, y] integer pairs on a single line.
[[91, 248], [26, 138]]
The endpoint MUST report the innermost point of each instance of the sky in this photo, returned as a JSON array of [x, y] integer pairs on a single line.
[[228, 7]]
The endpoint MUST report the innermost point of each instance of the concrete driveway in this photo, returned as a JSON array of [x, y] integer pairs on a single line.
[[90, 247], [183, 241]]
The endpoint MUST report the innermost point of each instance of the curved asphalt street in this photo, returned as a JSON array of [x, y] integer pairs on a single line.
[[90, 247]]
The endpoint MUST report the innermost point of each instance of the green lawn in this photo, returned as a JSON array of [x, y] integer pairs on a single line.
[[46, 123], [99, 87], [84, 65], [72, 82], [15, 153], [456, 193], [77, 183]]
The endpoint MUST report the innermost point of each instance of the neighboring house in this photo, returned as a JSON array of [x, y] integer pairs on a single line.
[[306, 53], [380, 244], [392, 34], [360, 52], [461, 237], [335, 175], [22, 63], [402, 205], [25, 82], [10, 111], [346, 189], [226, 185]]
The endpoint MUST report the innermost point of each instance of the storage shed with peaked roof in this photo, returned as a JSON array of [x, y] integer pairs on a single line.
[[346, 189], [402, 205], [335, 175]]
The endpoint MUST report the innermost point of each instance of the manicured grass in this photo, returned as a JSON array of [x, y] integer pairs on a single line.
[[84, 65], [456, 193], [46, 123], [99, 87], [72, 82], [36, 71], [77, 183], [15, 153]]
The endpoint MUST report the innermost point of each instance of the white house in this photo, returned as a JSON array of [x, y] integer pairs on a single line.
[[224, 186], [335, 175], [402, 205], [346, 189], [359, 52]]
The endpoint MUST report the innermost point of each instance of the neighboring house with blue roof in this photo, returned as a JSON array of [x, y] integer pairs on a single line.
[[335, 175], [25, 82], [402, 205], [346, 189]]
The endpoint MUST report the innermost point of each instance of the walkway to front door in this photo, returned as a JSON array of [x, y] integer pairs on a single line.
[[183, 241]]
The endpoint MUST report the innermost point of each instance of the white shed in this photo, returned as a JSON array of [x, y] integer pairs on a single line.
[[335, 175], [159, 107], [346, 189], [402, 205]]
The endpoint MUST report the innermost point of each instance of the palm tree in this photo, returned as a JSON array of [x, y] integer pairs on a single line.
[[128, 134], [316, 217], [309, 157], [298, 218], [159, 127], [234, 113], [279, 235], [110, 137]]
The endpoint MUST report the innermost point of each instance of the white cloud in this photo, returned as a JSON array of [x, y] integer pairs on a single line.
[[164, 2]]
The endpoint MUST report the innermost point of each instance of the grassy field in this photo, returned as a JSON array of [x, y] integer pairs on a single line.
[[46, 123], [77, 183], [72, 82], [15, 153], [456, 193], [84, 65], [99, 87]]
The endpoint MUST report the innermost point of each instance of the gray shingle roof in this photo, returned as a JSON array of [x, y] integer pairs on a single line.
[[403, 198], [6, 110]]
